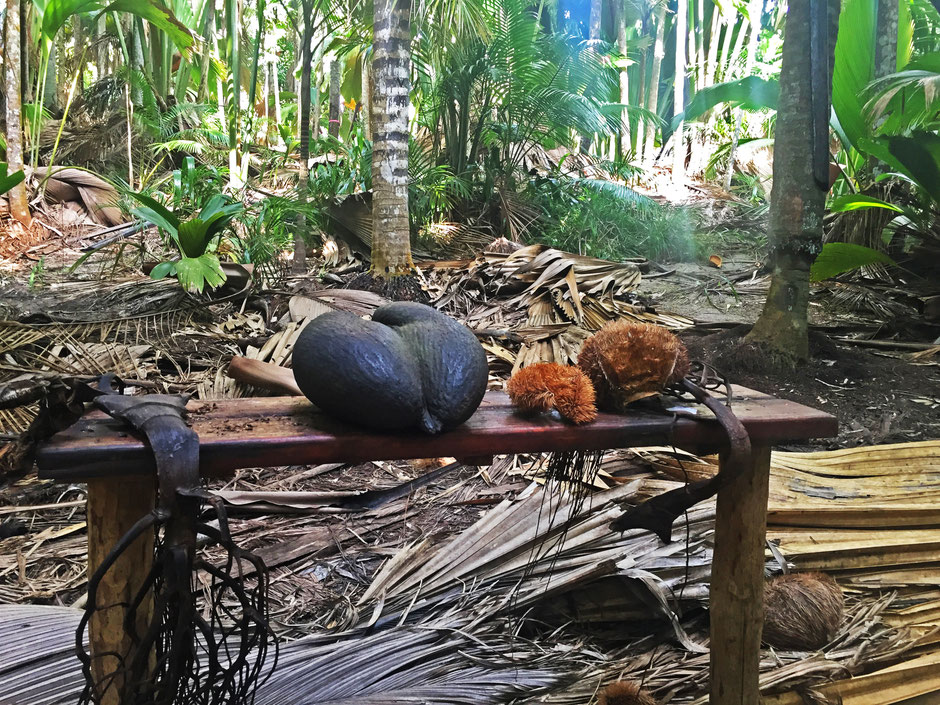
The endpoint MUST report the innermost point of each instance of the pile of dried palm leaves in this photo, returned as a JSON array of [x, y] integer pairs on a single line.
[[537, 599], [543, 300], [438, 602]]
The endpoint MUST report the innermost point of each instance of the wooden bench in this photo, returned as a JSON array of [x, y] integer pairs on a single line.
[[274, 431]]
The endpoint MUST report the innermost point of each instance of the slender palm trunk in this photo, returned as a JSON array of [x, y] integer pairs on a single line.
[[797, 201], [652, 96], [714, 39], [367, 98], [755, 8], [336, 100], [276, 89], [14, 115], [102, 48], [306, 61], [391, 65], [721, 69], [886, 38], [594, 34], [626, 143], [678, 163]]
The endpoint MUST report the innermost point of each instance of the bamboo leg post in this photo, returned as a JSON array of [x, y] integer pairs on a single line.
[[114, 506], [736, 605]]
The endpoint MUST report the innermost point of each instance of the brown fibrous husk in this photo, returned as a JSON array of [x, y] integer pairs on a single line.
[[627, 361], [624, 693], [548, 385], [502, 246], [802, 611]]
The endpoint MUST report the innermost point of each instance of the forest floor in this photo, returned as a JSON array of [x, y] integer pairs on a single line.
[[323, 562], [880, 395]]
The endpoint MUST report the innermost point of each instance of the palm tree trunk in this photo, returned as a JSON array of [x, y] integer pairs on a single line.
[[336, 78], [594, 22], [82, 35], [391, 65], [678, 163], [797, 201], [754, 13], [103, 48], [14, 115], [652, 96], [367, 98], [721, 69], [276, 88], [306, 65], [594, 34], [714, 39], [886, 38], [626, 143]]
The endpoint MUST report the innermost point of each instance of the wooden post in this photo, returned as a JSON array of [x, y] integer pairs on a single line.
[[736, 606], [114, 506]]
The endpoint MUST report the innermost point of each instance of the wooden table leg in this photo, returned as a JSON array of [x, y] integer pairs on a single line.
[[736, 607], [114, 506]]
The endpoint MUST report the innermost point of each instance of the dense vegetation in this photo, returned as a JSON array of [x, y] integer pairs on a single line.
[[241, 129]]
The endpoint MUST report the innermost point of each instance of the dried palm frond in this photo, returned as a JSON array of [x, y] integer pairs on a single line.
[[434, 664], [97, 196]]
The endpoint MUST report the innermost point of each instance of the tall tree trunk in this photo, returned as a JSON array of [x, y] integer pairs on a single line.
[[14, 115], [82, 36], [755, 8], [626, 143], [276, 88], [233, 19], [306, 61], [594, 34], [797, 201], [208, 24], [367, 97], [639, 137], [391, 66], [137, 61], [721, 69], [886, 38], [594, 22], [678, 163], [652, 97], [336, 100], [49, 92], [744, 29], [317, 70], [101, 54], [714, 39]]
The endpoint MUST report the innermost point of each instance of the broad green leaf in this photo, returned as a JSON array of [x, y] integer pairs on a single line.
[[917, 156], [8, 181], [854, 66], [56, 13], [195, 272], [162, 270], [151, 216], [159, 16], [750, 93], [854, 202], [158, 208], [193, 237], [839, 257]]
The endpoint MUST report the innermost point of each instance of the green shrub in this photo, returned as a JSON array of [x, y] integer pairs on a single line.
[[608, 221]]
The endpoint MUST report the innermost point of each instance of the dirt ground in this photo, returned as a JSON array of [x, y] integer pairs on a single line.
[[879, 396]]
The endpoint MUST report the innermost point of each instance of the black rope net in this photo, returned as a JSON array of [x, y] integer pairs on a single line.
[[176, 649]]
